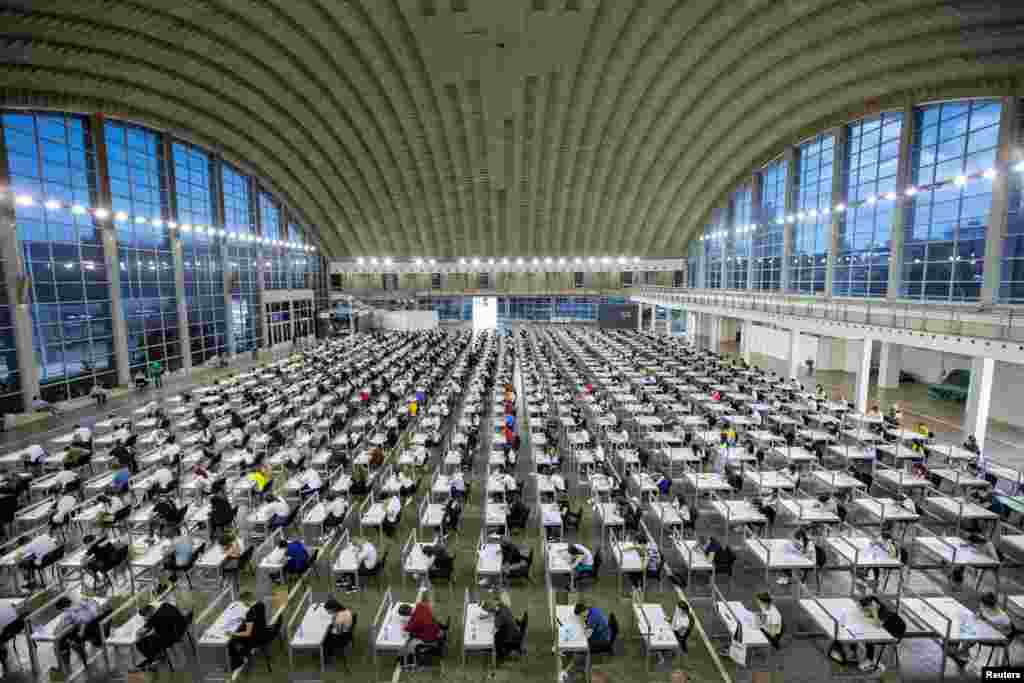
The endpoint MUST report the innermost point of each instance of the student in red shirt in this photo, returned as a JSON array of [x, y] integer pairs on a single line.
[[421, 626]]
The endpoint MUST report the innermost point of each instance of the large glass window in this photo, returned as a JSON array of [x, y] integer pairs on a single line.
[[52, 165], [297, 261], [814, 221], [944, 240], [738, 249], [871, 164], [148, 293], [693, 264], [769, 237], [242, 258], [1011, 286], [714, 253], [275, 263]]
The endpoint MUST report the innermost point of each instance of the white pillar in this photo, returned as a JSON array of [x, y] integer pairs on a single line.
[[654, 316], [794, 353], [889, 366], [864, 376], [639, 317], [691, 327], [747, 331], [979, 399], [714, 332]]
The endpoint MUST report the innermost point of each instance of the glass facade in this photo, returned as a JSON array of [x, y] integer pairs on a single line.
[[1011, 281], [714, 252], [770, 235], [871, 164], [814, 218], [153, 184], [944, 240], [738, 251], [51, 158], [276, 273]]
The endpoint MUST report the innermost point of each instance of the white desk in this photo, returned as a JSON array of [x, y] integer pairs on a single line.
[[311, 633], [478, 632], [854, 625]]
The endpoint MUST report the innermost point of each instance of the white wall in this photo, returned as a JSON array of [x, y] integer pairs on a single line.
[[775, 343], [405, 320]]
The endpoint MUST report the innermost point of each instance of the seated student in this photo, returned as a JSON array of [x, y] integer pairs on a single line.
[[595, 623], [276, 511], [888, 544], [452, 515], [125, 457], [392, 512], [359, 486], [297, 557], [162, 478], [100, 557], [972, 445], [165, 514], [457, 485], [581, 559], [80, 615], [682, 622], [558, 483], [163, 626], [260, 477], [251, 634], [294, 459], [663, 483], [518, 513], [651, 556], [421, 627], [66, 504], [513, 561], [366, 557], [337, 506], [179, 554], [769, 617], [121, 480], [803, 545], [339, 633], [406, 484], [309, 482], [443, 563], [233, 547], [506, 631], [31, 553], [221, 512]]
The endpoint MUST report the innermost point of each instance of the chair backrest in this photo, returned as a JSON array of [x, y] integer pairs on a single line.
[[598, 559], [523, 623], [613, 628], [55, 555]]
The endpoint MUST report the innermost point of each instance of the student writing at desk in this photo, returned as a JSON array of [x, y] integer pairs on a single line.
[[80, 615], [595, 623], [339, 633], [163, 627], [251, 634]]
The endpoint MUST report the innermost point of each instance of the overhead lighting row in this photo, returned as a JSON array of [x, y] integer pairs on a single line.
[[535, 261], [99, 213]]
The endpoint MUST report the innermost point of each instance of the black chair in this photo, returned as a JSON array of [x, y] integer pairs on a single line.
[[9, 635], [524, 573], [273, 634], [684, 638], [48, 561], [571, 520], [520, 647], [351, 644], [428, 653], [609, 647], [187, 569]]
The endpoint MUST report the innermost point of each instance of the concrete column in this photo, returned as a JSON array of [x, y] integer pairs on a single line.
[[841, 136], [864, 376], [230, 273], [901, 207], [654, 318], [639, 317], [185, 339], [748, 330], [995, 232], [714, 333], [15, 281], [890, 364], [979, 399], [794, 353], [788, 229], [756, 209], [113, 264], [110, 255], [352, 315]]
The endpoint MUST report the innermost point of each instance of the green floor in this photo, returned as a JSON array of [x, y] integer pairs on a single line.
[[538, 665]]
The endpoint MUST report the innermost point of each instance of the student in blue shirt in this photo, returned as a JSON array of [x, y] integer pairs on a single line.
[[120, 481], [596, 623], [297, 557]]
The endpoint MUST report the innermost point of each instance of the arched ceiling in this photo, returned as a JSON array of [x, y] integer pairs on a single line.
[[502, 127]]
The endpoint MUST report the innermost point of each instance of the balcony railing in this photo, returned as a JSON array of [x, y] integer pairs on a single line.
[[1004, 323]]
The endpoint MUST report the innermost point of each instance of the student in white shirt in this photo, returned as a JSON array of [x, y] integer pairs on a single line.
[[63, 478], [277, 511], [309, 482], [367, 556], [406, 485], [509, 482], [32, 554], [335, 512], [163, 477], [36, 453], [558, 482], [65, 505], [457, 484], [393, 509], [246, 457]]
